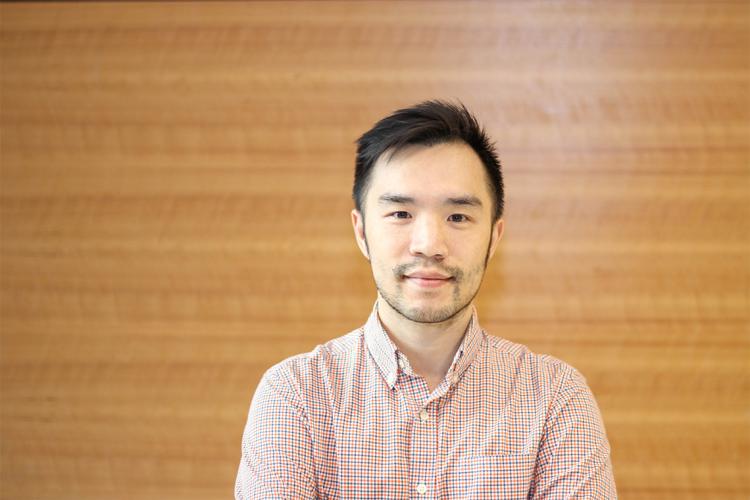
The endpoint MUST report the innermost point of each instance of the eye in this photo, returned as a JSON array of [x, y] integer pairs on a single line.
[[400, 214], [458, 218]]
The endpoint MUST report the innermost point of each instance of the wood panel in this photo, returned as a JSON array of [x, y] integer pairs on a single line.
[[175, 196]]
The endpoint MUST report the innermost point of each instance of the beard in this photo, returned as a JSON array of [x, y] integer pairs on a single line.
[[459, 301], [426, 315], [397, 302]]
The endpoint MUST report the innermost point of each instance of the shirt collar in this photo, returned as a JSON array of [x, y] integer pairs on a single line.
[[386, 354]]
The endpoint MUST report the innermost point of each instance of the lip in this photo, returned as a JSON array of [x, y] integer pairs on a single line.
[[428, 280], [428, 276]]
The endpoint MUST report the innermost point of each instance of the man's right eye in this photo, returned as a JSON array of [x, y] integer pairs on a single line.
[[400, 214]]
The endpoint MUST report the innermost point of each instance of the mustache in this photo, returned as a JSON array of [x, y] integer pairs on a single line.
[[403, 269]]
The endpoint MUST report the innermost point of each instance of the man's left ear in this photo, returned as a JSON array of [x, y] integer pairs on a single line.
[[497, 234]]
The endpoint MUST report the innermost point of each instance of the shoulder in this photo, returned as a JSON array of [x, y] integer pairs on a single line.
[[548, 374], [310, 376]]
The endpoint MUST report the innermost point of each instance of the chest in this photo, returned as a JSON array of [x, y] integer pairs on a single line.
[[471, 442]]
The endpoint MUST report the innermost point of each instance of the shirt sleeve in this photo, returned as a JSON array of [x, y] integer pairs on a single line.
[[574, 454], [276, 446]]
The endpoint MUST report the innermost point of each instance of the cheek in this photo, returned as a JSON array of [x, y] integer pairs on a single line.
[[385, 245], [378, 254], [469, 248]]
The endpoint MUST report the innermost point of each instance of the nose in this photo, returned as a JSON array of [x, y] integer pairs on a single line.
[[428, 238]]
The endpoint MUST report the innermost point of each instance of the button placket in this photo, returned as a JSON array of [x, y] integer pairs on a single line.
[[424, 449], [424, 415]]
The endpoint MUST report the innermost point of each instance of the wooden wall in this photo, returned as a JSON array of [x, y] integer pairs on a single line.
[[175, 197]]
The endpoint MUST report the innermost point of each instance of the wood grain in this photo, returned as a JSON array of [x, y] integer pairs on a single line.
[[175, 191]]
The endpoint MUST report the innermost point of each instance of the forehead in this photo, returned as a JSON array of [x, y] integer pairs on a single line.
[[431, 173]]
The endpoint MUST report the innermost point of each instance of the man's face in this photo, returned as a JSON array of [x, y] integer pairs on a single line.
[[428, 230]]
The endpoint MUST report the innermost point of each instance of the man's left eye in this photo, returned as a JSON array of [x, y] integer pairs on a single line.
[[458, 218]]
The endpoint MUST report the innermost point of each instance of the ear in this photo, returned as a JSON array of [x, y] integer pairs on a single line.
[[497, 233], [358, 222]]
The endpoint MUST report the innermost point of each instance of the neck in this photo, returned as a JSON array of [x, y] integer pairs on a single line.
[[430, 347]]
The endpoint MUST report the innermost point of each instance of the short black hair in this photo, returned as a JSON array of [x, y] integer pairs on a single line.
[[428, 123]]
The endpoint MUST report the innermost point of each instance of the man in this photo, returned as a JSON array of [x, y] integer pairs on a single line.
[[421, 402]]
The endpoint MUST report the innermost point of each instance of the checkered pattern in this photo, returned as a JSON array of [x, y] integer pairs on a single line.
[[352, 420]]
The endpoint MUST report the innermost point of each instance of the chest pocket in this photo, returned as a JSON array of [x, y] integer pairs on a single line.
[[490, 477]]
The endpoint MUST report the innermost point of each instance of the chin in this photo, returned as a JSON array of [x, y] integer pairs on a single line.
[[429, 314]]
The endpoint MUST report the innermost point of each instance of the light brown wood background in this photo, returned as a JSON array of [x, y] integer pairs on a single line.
[[175, 194]]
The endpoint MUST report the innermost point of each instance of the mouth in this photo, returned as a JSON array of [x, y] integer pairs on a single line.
[[428, 280]]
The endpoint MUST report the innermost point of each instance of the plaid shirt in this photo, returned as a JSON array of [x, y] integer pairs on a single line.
[[352, 420]]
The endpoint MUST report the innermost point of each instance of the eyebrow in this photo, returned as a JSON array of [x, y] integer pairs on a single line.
[[395, 198], [471, 201], [467, 200]]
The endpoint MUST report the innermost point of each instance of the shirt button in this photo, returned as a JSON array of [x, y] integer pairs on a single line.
[[424, 416], [455, 379], [401, 363], [421, 488]]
